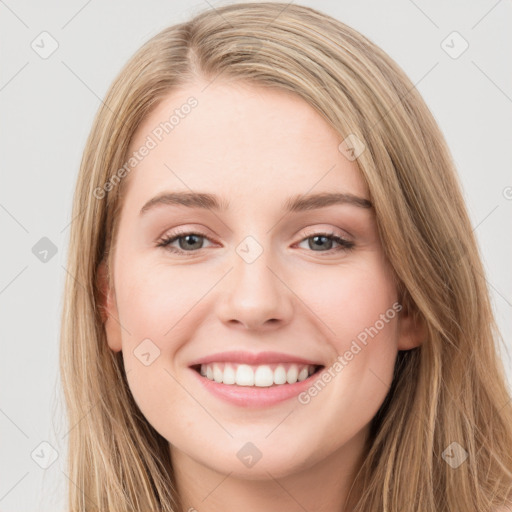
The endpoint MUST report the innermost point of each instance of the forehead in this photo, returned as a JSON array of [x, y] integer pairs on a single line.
[[240, 139]]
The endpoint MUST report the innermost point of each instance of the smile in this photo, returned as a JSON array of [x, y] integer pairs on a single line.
[[265, 375]]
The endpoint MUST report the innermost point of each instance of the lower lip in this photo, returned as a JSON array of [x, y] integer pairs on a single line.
[[253, 396]]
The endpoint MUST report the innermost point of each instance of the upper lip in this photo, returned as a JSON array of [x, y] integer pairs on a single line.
[[252, 358]]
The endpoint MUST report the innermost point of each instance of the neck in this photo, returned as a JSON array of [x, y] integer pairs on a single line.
[[322, 487]]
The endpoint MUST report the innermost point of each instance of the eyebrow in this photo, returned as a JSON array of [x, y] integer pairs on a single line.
[[293, 204]]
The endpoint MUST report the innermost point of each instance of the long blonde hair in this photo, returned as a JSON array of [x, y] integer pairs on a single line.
[[450, 389]]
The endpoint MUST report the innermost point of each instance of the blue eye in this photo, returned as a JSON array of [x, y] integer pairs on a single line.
[[321, 238], [190, 242]]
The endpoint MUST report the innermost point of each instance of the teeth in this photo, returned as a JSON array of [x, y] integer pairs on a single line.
[[263, 376], [228, 376], [280, 375], [259, 376], [292, 374], [244, 376], [303, 374], [217, 373]]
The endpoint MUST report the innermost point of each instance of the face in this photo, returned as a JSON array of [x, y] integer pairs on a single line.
[[265, 294]]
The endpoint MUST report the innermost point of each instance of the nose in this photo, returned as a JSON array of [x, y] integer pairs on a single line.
[[254, 296]]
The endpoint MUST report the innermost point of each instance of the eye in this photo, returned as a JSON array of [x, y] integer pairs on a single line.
[[326, 240], [190, 242], [187, 241]]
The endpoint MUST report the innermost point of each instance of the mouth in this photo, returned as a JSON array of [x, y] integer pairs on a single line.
[[256, 376]]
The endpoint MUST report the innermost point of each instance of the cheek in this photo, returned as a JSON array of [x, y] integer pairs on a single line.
[[161, 308], [358, 314], [153, 300], [352, 302]]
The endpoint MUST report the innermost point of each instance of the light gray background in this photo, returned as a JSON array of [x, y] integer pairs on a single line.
[[47, 108]]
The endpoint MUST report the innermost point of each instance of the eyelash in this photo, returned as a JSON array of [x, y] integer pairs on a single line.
[[345, 245]]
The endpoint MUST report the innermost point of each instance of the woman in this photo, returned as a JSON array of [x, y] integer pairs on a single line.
[[212, 355]]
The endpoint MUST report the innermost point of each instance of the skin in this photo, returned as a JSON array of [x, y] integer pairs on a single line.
[[256, 148]]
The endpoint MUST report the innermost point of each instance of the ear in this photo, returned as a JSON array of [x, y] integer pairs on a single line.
[[412, 330], [108, 309]]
